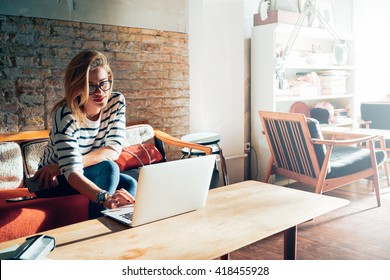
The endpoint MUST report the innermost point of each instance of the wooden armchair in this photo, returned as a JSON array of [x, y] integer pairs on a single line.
[[299, 152]]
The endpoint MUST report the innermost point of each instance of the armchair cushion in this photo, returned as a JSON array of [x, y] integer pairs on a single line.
[[315, 132], [346, 160]]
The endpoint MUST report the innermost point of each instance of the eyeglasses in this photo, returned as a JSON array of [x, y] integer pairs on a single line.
[[104, 86]]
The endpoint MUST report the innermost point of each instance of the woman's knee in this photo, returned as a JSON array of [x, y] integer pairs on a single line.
[[105, 174], [108, 166], [128, 183]]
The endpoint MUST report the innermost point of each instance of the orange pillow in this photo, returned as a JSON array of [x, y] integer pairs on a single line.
[[138, 155]]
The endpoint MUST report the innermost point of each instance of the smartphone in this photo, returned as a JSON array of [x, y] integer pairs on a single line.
[[20, 198], [32, 185]]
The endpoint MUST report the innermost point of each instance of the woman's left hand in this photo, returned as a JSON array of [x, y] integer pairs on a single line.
[[47, 176]]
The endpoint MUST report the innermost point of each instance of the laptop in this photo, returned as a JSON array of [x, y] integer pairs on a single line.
[[167, 189]]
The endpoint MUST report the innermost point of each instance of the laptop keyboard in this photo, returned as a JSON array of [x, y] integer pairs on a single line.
[[128, 216]]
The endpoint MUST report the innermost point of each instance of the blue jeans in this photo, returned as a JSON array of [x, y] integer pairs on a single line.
[[106, 175]]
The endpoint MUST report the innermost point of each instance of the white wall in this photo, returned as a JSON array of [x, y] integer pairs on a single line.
[[216, 44], [168, 15], [371, 23]]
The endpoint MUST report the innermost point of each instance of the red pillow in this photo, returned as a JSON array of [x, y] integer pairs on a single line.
[[138, 155]]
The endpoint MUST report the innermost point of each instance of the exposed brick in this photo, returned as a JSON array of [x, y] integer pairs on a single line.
[[124, 56], [150, 66], [29, 83], [153, 74], [65, 31], [150, 69], [132, 66], [126, 37], [155, 57], [94, 45]]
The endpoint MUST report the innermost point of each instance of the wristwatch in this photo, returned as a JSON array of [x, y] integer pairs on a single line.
[[101, 197]]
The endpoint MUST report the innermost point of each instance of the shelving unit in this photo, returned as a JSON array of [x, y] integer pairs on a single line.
[[267, 40]]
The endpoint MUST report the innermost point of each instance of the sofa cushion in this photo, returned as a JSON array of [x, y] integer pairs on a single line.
[[11, 165], [18, 219], [138, 155], [32, 152], [137, 134]]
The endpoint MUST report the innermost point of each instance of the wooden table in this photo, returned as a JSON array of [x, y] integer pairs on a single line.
[[235, 216]]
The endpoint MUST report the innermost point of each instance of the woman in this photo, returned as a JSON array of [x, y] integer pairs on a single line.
[[88, 130]]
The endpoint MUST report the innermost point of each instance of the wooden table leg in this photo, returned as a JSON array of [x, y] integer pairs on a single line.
[[225, 257], [290, 243]]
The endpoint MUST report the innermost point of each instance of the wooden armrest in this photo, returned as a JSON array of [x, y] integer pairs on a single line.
[[24, 135], [363, 123], [344, 142], [180, 143]]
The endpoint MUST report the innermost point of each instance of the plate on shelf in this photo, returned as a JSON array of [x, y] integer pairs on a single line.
[[300, 108]]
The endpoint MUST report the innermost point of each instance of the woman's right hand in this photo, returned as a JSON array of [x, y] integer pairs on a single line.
[[121, 197], [47, 176]]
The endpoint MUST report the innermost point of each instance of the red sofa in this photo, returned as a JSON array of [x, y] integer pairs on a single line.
[[19, 156], [20, 153], [28, 217]]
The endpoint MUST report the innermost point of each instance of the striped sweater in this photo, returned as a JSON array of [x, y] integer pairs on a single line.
[[70, 140]]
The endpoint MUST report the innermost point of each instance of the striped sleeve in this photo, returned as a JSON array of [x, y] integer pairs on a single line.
[[65, 140]]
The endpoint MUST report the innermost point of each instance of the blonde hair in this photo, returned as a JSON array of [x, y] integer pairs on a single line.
[[77, 81]]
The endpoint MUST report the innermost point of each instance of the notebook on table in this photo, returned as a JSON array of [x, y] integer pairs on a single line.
[[167, 189]]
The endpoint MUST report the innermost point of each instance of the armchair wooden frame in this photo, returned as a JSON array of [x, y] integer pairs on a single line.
[[23, 135], [293, 153], [170, 140]]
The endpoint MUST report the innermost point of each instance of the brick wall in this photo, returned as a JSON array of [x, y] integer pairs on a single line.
[[150, 68]]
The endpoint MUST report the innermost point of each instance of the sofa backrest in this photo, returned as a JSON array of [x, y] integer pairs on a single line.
[[21, 152], [32, 152], [14, 147]]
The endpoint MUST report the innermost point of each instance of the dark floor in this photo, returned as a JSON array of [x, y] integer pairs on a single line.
[[358, 231]]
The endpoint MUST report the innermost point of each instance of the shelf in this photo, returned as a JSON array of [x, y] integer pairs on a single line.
[[314, 67], [309, 32], [319, 97]]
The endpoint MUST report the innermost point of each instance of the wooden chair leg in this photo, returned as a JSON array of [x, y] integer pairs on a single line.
[[268, 171], [386, 164], [375, 176], [377, 190]]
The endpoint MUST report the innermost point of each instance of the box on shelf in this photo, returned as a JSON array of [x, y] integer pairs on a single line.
[[304, 91], [277, 16], [333, 82]]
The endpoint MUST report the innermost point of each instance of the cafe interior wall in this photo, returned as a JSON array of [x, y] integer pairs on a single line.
[[370, 20], [220, 71]]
